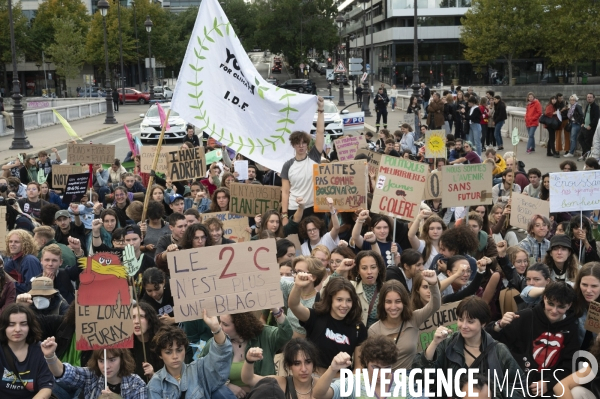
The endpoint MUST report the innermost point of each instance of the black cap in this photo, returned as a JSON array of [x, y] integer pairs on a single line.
[[132, 229], [560, 240]]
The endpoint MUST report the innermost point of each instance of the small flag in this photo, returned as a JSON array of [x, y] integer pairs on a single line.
[[163, 117], [138, 144], [130, 141], [66, 125], [214, 156]]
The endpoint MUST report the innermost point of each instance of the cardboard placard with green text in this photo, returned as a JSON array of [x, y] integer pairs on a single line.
[[91, 153], [241, 277], [186, 164], [444, 316], [60, 174], [344, 182], [147, 157], [234, 226], [523, 207], [253, 199], [465, 185], [399, 188]]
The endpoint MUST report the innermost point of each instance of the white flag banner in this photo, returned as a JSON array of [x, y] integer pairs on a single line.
[[220, 91]]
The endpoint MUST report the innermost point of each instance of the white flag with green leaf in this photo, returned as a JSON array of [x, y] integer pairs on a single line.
[[220, 91]]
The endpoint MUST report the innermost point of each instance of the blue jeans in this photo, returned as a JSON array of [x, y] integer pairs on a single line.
[[417, 126], [223, 393], [531, 133], [393, 102], [475, 134], [61, 391], [498, 133], [425, 105], [575, 128]]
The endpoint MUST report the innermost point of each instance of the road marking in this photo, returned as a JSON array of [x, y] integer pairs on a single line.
[[116, 141]]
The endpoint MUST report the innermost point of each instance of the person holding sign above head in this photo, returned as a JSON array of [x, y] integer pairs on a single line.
[[120, 377], [380, 235], [311, 231], [297, 173], [587, 289], [397, 318], [334, 325], [25, 374], [246, 331]]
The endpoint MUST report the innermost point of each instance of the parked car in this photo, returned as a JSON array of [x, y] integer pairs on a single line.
[[150, 127], [299, 85], [334, 123], [133, 95], [163, 92], [91, 92], [273, 81]]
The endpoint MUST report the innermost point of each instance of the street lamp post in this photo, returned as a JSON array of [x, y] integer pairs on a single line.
[[148, 24], [415, 86], [340, 23], [365, 92], [121, 83], [137, 49], [110, 116], [19, 139]]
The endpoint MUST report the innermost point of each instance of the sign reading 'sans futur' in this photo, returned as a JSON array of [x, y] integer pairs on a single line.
[[240, 277], [465, 185]]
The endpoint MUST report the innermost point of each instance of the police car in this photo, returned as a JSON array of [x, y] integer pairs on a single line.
[[339, 123]]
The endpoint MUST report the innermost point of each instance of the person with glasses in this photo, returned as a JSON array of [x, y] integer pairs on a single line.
[[196, 236], [338, 254], [312, 232], [470, 156]]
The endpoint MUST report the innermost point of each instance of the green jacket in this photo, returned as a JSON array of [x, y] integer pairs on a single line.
[[271, 339], [68, 257]]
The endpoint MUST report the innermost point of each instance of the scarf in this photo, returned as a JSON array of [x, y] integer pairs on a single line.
[[571, 111]]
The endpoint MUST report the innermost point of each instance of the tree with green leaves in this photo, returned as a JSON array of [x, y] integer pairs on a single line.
[[68, 50], [578, 32], [21, 32], [242, 17], [43, 27], [493, 29]]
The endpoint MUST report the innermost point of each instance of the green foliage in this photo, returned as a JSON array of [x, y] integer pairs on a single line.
[[22, 41], [293, 28], [242, 17], [163, 35], [43, 26], [501, 29], [68, 49]]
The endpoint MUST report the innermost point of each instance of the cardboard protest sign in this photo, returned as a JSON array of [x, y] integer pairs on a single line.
[[240, 277], [76, 187], [575, 191], [523, 207], [103, 327], [433, 186], [234, 226], [465, 185], [147, 157], [444, 316], [592, 322], [346, 147], [399, 189], [253, 199], [91, 153], [373, 159], [344, 182], [2, 228], [410, 119], [186, 164], [60, 174], [435, 144]]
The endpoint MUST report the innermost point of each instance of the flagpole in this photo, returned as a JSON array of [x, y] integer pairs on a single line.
[[154, 164]]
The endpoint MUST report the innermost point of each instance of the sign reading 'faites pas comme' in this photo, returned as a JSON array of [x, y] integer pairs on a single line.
[[221, 92]]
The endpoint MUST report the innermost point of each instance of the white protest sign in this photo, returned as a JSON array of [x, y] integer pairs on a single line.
[[221, 92], [574, 191]]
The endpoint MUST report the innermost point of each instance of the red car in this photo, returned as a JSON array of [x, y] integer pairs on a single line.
[[133, 95]]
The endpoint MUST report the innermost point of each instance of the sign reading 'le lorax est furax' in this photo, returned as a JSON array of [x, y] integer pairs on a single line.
[[344, 182], [465, 185], [399, 189]]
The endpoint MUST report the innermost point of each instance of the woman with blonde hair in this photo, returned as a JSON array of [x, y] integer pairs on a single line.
[[22, 263], [321, 252]]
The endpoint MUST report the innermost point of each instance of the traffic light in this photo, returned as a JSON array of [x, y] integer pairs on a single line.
[[329, 59]]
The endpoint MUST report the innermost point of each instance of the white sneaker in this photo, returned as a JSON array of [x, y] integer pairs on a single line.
[[581, 159], [568, 155]]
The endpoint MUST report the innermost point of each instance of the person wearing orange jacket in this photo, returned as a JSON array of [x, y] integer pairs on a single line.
[[532, 116]]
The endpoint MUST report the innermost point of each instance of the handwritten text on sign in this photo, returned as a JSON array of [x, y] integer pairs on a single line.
[[240, 277], [187, 164], [234, 226], [253, 199], [344, 182], [399, 189], [373, 159], [76, 188], [147, 157], [444, 316], [575, 191], [60, 174], [432, 186], [346, 147], [104, 327], [592, 322], [465, 185], [524, 207], [91, 153]]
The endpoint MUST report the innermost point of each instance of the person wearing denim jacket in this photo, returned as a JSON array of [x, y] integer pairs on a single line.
[[202, 378]]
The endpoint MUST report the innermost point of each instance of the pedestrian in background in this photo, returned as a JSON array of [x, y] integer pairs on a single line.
[[381, 100], [575, 118], [393, 95], [532, 120], [6, 115], [115, 98], [551, 111], [359, 92], [425, 95], [590, 122], [499, 118]]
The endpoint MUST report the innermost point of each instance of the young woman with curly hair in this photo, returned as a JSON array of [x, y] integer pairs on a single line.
[[196, 236], [220, 200], [433, 227], [398, 320], [215, 226], [145, 326], [299, 356], [312, 232], [246, 331], [460, 240], [23, 264], [338, 313]]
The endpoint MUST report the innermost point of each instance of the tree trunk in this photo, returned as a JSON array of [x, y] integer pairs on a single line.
[[576, 74]]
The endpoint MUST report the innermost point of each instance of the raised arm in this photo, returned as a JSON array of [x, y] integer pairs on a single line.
[[335, 222], [414, 228], [248, 377], [357, 229], [320, 135], [323, 389], [445, 283], [285, 198], [300, 311]]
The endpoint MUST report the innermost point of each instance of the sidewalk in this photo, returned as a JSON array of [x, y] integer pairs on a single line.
[[87, 128]]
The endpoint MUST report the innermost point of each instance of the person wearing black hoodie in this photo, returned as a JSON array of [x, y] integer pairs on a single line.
[[542, 339]]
